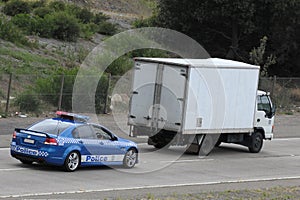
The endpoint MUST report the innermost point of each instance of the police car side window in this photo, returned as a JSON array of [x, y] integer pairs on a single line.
[[101, 134], [75, 133], [84, 132]]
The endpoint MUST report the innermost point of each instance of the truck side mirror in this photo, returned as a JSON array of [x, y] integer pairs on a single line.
[[273, 110]]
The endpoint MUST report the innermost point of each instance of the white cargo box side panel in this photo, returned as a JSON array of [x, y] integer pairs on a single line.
[[221, 100]]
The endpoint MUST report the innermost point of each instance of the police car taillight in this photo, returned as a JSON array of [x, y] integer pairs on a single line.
[[14, 136], [50, 141]]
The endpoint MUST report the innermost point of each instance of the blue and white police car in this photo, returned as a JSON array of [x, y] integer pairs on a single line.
[[69, 141]]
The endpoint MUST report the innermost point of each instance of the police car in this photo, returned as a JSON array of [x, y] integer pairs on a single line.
[[69, 141]]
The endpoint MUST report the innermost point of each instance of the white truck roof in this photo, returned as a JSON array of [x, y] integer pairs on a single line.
[[201, 63], [260, 92]]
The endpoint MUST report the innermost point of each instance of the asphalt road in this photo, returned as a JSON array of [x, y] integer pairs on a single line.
[[286, 126], [230, 166], [159, 172]]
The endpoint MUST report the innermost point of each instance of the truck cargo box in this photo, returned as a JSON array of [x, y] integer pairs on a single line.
[[193, 96]]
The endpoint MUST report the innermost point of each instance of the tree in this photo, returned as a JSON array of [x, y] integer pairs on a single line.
[[258, 57], [209, 21], [284, 37], [231, 28]]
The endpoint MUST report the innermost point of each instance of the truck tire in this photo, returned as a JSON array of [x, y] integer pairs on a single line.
[[256, 142], [206, 146], [218, 144], [162, 145]]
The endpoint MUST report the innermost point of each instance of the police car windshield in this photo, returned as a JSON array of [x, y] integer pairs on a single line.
[[51, 126]]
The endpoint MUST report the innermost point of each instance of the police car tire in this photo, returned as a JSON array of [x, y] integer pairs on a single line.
[[130, 158], [73, 158]]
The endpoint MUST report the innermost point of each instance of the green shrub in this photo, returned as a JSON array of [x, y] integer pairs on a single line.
[[38, 4], [28, 101], [15, 7], [100, 18], [49, 87], [63, 26], [88, 30], [10, 32], [107, 28], [85, 16], [44, 27], [57, 5], [42, 11], [26, 22], [149, 22], [120, 66]]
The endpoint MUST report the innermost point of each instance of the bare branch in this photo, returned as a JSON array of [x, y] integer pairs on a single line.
[[221, 33]]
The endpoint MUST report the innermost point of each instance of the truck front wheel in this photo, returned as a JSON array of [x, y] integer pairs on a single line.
[[256, 143]]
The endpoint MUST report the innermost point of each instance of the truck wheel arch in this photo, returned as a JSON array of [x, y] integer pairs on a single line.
[[261, 130]]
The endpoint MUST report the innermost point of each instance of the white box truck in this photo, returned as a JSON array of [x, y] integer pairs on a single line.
[[199, 103]]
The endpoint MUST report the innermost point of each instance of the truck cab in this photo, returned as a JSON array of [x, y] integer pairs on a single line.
[[264, 115], [262, 128]]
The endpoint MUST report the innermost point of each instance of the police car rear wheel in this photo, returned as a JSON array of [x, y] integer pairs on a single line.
[[130, 158], [72, 161]]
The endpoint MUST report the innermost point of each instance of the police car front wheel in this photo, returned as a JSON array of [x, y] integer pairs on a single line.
[[130, 158], [72, 161]]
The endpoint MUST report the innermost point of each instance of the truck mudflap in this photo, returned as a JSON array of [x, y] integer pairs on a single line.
[[203, 144]]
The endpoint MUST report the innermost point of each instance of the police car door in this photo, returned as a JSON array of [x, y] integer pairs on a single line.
[[108, 146], [87, 140]]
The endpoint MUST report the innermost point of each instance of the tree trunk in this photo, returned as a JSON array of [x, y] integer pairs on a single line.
[[232, 53]]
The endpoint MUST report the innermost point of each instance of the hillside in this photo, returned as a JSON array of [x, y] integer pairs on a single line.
[[47, 55]]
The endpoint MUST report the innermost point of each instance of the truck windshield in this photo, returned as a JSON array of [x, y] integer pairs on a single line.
[[264, 104]]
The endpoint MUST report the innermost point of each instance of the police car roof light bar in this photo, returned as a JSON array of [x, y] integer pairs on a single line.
[[72, 116]]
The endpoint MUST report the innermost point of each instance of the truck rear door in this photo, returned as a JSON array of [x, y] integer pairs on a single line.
[[142, 94], [172, 98], [158, 96]]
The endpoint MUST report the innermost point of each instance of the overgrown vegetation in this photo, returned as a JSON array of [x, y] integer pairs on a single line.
[[231, 29], [26, 23], [258, 57], [46, 89], [54, 19], [10, 32], [28, 101], [274, 193]]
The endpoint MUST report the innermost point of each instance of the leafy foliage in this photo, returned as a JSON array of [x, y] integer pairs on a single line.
[[230, 28], [28, 101], [107, 28], [49, 87], [64, 26], [258, 57], [57, 20], [15, 7], [9, 32], [42, 11]]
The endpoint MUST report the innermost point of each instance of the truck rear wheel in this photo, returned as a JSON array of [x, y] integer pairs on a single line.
[[207, 145], [256, 143]]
